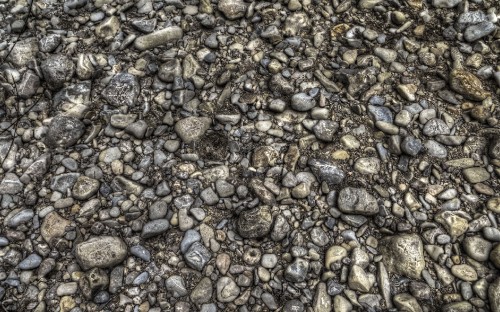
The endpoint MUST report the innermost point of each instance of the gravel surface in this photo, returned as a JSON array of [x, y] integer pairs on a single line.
[[242, 155]]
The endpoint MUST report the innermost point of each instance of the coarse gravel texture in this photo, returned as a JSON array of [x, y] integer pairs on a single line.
[[242, 155]]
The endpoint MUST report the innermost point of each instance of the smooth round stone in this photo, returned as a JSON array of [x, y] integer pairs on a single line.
[[269, 261], [141, 252], [464, 272], [302, 102], [477, 248], [367, 165], [31, 262]]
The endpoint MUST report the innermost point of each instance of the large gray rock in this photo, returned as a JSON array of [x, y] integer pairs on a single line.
[[57, 69], [357, 201], [64, 131], [123, 89], [403, 254], [101, 252]]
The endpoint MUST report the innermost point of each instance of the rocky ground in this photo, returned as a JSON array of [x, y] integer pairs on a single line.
[[241, 155]]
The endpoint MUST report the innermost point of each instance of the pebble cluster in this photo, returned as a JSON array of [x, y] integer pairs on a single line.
[[242, 155]]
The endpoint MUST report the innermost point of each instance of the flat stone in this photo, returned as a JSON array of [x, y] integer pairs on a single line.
[[357, 201], [477, 247], [120, 183], [302, 102], [159, 37], [175, 286], [367, 165], [296, 272], [455, 224], [493, 204], [478, 31], [154, 228], [57, 69], [101, 252], [30, 262], [464, 272], [495, 256], [476, 174]]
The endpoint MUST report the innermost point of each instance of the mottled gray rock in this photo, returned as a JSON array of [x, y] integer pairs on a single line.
[[411, 146], [302, 102], [478, 31], [123, 89], [325, 130], [140, 252], [64, 131], [175, 286], [445, 3], [11, 184], [191, 129], [57, 69], [197, 256], [326, 171], [296, 272], [255, 223], [406, 302], [101, 252], [154, 228], [158, 210], [436, 127], [85, 188], [357, 201], [494, 295], [477, 248], [202, 292], [227, 289]]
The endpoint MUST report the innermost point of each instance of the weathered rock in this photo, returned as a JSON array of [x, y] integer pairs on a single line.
[[64, 132], [232, 9], [101, 252], [53, 226], [357, 201], [123, 89], [255, 223], [191, 129], [57, 69], [403, 254], [468, 85], [158, 38]]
